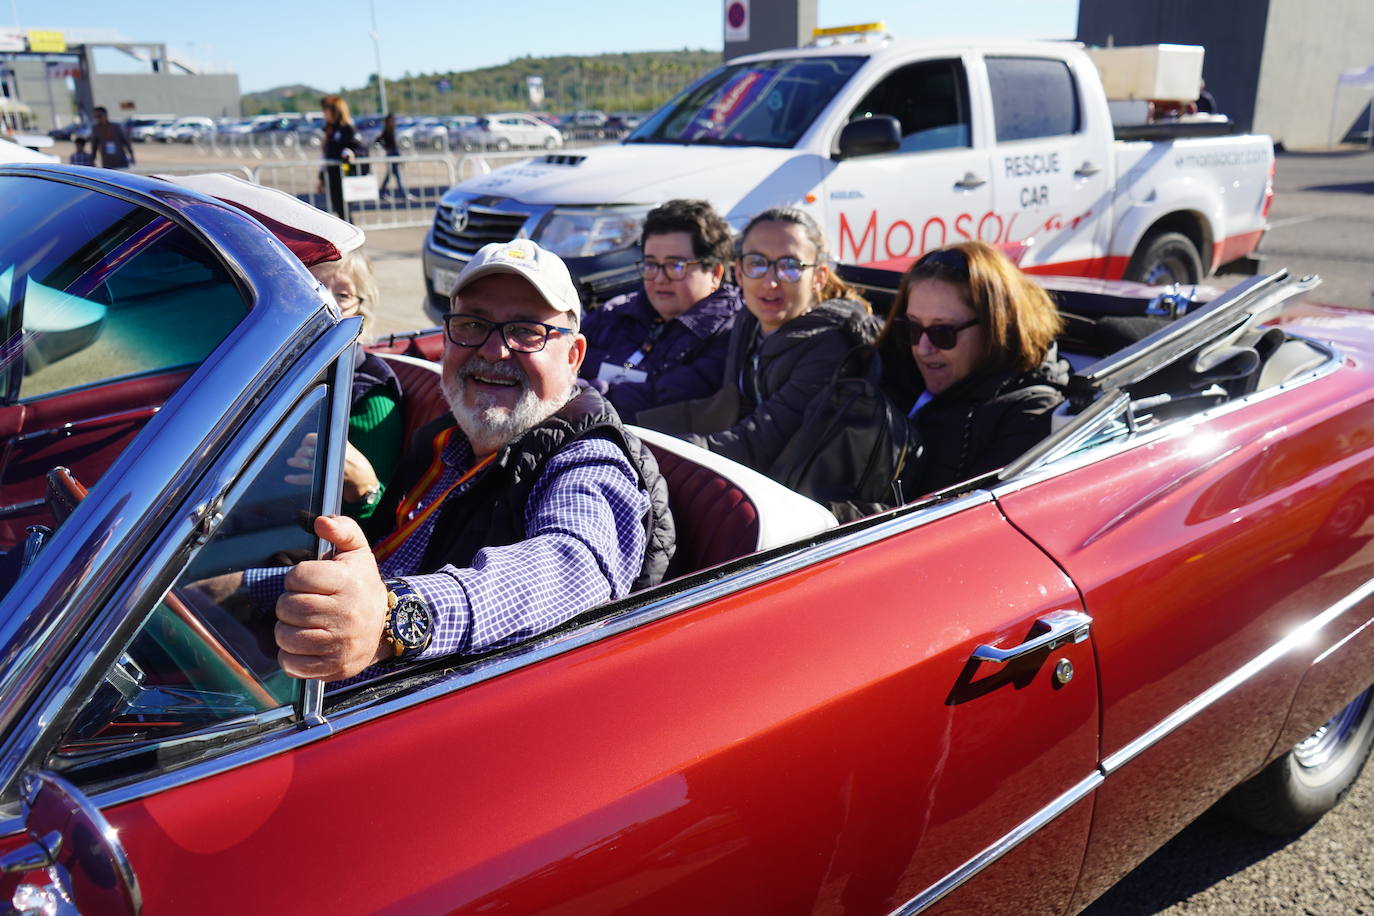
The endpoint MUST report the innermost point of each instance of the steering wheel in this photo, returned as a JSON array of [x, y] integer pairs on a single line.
[[64, 493]]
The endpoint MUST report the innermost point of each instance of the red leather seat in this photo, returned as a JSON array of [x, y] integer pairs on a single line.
[[422, 399], [716, 520]]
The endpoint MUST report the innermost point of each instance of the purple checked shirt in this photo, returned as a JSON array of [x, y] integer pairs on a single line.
[[584, 545]]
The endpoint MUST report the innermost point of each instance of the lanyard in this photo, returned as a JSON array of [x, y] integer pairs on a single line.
[[404, 529], [637, 356]]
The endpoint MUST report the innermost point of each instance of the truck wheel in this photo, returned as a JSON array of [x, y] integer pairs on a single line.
[[1293, 792], [1164, 258]]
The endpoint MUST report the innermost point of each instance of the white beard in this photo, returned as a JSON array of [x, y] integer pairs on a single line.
[[487, 424]]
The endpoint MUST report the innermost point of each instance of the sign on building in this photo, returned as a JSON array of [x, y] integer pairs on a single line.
[[736, 20]]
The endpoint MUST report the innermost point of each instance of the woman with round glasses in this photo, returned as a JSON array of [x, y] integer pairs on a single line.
[[802, 324], [666, 342], [969, 349]]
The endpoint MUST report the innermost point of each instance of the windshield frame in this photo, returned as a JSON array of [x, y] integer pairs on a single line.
[[744, 86]]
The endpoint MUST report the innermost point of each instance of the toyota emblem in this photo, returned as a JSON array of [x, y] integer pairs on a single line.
[[460, 218]]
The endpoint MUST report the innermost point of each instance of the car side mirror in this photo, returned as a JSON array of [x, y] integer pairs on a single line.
[[867, 136], [68, 837]]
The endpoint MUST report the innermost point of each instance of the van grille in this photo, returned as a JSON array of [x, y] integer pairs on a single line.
[[483, 226]]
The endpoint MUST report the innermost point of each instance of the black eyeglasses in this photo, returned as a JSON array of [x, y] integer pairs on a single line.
[[942, 336], [673, 268], [787, 268], [520, 336]]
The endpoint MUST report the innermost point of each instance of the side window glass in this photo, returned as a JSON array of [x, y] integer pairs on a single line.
[[204, 661], [1033, 97], [929, 98], [101, 289]]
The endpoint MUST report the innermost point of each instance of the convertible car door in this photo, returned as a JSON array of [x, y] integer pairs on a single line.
[[809, 732], [1206, 550]]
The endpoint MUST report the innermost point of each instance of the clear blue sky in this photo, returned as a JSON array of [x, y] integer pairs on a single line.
[[327, 44]]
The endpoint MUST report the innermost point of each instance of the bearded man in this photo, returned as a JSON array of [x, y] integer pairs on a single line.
[[527, 506]]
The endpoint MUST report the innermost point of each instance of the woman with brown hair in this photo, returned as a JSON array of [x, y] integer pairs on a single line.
[[340, 146], [800, 324], [968, 349]]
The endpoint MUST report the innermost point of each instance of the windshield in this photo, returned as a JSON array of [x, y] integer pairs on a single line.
[[761, 103]]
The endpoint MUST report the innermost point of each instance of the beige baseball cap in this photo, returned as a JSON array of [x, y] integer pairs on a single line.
[[544, 270]]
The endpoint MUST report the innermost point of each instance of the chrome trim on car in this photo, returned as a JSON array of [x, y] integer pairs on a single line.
[[127, 527], [1054, 456], [1299, 636], [1004, 845]]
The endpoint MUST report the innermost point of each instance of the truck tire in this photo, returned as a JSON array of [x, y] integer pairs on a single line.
[[1164, 258], [1293, 792]]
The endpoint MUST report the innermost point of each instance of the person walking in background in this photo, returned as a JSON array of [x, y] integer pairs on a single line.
[[111, 143], [81, 157], [339, 150], [393, 151]]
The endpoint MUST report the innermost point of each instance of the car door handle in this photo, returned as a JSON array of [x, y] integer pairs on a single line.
[[1086, 170], [1060, 628], [969, 182]]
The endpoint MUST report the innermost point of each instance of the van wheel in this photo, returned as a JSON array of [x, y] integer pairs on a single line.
[[1292, 793], [1164, 258]]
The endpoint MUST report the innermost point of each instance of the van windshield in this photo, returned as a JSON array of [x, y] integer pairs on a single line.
[[760, 103]]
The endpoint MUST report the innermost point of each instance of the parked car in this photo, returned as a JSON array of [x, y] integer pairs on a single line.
[[456, 124], [1010, 691], [144, 128], [620, 124], [185, 130], [510, 130], [898, 147], [423, 134]]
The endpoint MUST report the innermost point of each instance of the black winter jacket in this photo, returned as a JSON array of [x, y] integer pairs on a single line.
[[491, 512], [981, 423], [795, 363], [686, 355]]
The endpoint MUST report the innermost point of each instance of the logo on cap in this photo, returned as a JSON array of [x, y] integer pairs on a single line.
[[514, 253]]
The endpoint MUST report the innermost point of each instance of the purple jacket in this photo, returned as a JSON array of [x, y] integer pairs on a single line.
[[686, 358]]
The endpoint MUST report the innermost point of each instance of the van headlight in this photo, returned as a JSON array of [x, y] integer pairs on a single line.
[[581, 233]]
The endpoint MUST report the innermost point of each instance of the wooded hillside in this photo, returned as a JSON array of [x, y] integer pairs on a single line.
[[638, 81]]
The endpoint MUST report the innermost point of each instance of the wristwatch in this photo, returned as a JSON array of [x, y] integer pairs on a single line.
[[409, 623]]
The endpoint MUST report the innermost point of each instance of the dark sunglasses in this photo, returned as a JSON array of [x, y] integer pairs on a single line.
[[948, 259], [942, 336]]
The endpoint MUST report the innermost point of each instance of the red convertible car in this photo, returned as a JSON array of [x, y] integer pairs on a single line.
[[998, 698]]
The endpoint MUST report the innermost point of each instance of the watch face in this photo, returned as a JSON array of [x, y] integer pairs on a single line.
[[410, 622]]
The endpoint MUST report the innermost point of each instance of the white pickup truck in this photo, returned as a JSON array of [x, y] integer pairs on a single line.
[[896, 147]]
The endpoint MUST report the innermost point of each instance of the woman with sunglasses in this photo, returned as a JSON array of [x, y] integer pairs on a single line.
[[968, 348], [666, 342], [803, 323]]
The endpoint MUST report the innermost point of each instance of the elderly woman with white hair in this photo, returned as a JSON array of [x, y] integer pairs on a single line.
[[376, 423]]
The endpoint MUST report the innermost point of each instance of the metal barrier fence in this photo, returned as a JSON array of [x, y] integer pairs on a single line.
[[398, 192]]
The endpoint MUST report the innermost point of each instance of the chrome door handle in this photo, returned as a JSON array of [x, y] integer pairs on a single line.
[[1060, 629], [969, 182], [1086, 170]]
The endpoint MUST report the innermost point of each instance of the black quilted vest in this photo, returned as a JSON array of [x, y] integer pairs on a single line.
[[491, 512]]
